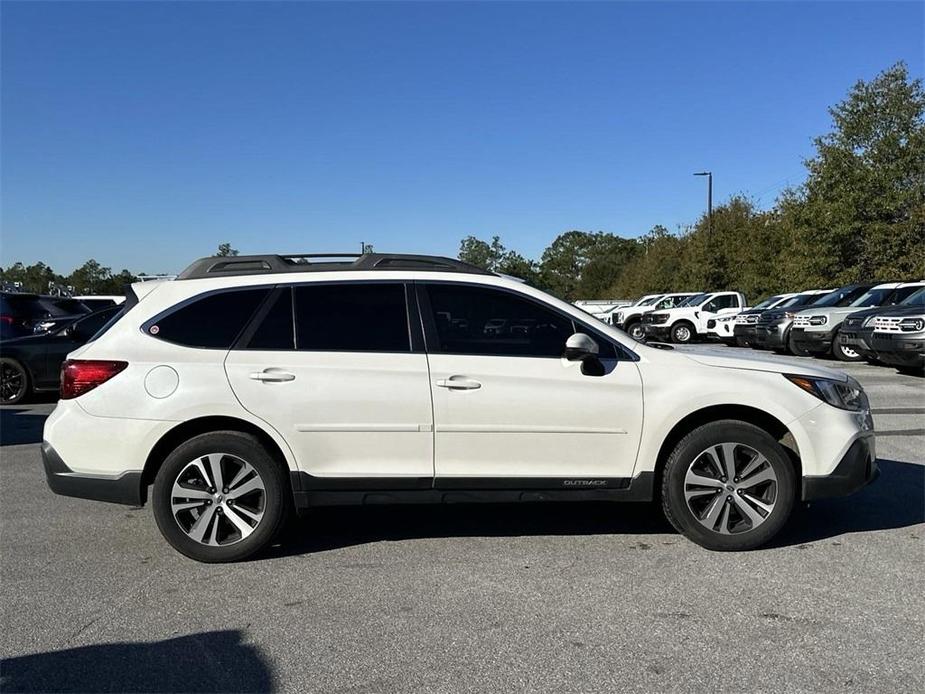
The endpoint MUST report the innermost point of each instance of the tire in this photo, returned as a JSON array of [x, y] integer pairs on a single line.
[[706, 520], [635, 331], [844, 353], [218, 516], [14, 382], [794, 349], [682, 333]]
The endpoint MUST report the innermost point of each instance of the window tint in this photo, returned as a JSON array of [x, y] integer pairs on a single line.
[[275, 331], [89, 326], [900, 294], [368, 317], [475, 320], [212, 322]]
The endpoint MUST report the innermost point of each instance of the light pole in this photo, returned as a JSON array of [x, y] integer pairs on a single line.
[[709, 175]]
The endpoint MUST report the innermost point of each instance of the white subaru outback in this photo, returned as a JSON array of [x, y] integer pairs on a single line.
[[254, 385]]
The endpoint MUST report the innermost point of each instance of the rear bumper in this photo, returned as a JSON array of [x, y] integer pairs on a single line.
[[122, 489], [812, 340], [856, 469]]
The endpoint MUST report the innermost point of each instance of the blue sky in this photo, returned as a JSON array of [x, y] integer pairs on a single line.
[[144, 134]]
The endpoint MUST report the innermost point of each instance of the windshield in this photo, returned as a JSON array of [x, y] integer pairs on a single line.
[[767, 303], [670, 302], [647, 302], [874, 297], [903, 294], [916, 299], [800, 300], [840, 297], [693, 300]]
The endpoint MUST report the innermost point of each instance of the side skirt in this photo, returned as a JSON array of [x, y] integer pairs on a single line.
[[314, 491]]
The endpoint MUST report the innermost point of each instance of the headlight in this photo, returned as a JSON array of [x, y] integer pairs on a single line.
[[845, 395], [912, 325], [818, 320]]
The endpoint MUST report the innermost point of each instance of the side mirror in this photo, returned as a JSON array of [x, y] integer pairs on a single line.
[[580, 347]]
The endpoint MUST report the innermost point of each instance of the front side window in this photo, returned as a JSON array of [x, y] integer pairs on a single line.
[[485, 321], [212, 321], [360, 317], [721, 302]]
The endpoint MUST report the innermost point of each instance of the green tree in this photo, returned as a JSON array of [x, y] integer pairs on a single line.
[[861, 212], [483, 254], [225, 249], [585, 265]]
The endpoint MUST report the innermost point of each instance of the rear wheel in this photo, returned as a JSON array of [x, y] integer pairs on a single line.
[[220, 497], [728, 485], [14, 382], [682, 332]]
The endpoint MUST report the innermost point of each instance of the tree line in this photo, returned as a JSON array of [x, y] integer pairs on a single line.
[[859, 214]]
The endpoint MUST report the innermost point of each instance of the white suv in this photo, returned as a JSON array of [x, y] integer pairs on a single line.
[[250, 386]]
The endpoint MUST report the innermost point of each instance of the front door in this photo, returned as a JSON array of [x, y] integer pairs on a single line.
[[509, 410], [331, 367]]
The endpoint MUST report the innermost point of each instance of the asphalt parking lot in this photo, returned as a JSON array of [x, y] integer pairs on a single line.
[[472, 599]]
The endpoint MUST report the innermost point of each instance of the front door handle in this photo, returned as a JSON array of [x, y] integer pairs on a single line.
[[272, 376], [458, 383]]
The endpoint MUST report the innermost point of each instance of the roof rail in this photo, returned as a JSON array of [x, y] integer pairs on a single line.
[[230, 266]]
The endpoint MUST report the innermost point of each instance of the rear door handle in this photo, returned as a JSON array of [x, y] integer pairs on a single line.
[[458, 383], [272, 376]]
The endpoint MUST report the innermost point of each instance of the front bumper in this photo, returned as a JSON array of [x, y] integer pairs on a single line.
[[771, 336], [857, 341], [744, 332], [817, 341], [657, 333], [856, 469], [898, 349], [122, 489]]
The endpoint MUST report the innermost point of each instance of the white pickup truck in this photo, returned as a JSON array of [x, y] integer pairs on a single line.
[[629, 319], [690, 321]]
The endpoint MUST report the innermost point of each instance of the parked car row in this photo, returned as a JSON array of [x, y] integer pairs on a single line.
[[37, 334], [877, 321]]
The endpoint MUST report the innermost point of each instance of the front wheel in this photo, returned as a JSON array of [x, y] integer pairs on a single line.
[[796, 350], [14, 382], [220, 497], [843, 352], [728, 485], [682, 333], [635, 331]]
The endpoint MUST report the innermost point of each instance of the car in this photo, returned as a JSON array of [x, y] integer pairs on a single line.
[[629, 319], [32, 363], [688, 321], [856, 331], [772, 329], [743, 331], [898, 337], [24, 314], [815, 328], [247, 387]]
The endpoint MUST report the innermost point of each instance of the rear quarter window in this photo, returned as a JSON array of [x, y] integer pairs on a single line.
[[209, 321]]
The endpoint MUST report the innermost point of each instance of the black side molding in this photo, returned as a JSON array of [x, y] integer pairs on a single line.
[[124, 489]]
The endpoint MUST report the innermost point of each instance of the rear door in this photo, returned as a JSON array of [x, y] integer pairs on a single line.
[[509, 410], [334, 368]]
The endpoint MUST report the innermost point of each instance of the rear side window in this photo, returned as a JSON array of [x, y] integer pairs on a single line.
[[212, 321], [361, 317]]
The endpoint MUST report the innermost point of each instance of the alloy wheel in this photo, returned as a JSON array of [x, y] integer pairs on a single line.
[[636, 331], [682, 333], [730, 488], [12, 382], [218, 499]]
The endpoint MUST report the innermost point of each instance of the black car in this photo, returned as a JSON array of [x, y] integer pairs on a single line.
[[854, 333], [33, 362], [24, 314]]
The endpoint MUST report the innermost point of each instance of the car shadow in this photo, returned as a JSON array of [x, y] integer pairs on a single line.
[[20, 425], [895, 500], [215, 661]]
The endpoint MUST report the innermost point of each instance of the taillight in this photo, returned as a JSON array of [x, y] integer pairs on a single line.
[[9, 320], [79, 376]]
